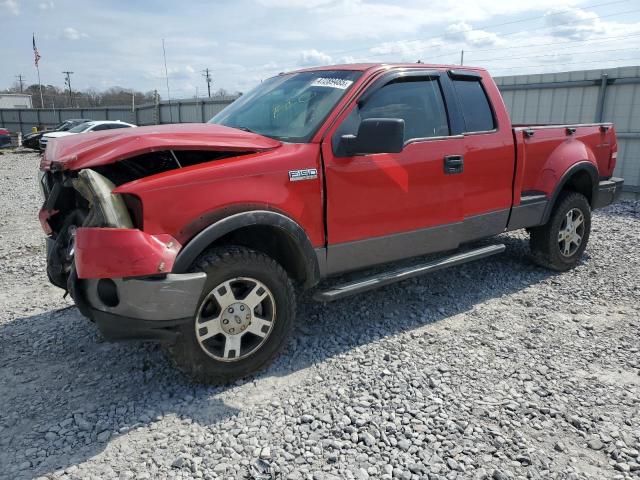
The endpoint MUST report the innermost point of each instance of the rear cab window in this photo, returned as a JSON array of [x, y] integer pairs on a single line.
[[474, 105]]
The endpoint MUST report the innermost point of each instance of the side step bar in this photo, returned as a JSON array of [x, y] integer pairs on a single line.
[[366, 284]]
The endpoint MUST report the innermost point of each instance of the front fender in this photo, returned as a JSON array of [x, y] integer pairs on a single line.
[[200, 242]]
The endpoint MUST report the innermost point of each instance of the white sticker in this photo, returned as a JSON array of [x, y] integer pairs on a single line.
[[340, 83]]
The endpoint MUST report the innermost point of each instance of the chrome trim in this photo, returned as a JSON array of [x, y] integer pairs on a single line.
[[153, 298]]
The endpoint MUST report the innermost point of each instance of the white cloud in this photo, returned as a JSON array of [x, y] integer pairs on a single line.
[[314, 57], [573, 23], [46, 5], [294, 3], [11, 5], [175, 73], [462, 32], [71, 33]]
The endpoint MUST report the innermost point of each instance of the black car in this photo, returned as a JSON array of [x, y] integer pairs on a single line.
[[32, 140]]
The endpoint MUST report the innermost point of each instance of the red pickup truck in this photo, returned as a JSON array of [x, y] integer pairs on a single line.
[[199, 235]]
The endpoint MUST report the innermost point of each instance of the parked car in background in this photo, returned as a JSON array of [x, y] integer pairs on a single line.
[[32, 140], [92, 126], [5, 138]]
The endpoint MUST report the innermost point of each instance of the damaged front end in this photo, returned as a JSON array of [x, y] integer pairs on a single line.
[[117, 269], [117, 274], [75, 200], [100, 233]]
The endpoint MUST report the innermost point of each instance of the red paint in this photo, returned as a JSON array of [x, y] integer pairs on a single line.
[[174, 200], [551, 151], [75, 152], [122, 252], [365, 196]]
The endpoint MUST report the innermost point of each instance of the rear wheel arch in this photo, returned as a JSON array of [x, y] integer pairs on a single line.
[[582, 178], [269, 232]]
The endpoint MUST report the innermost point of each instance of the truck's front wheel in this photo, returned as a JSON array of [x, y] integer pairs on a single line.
[[244, 316], [560, 243]]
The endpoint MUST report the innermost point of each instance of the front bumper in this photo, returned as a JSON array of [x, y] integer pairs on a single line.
[[140, 308], [608, 192]]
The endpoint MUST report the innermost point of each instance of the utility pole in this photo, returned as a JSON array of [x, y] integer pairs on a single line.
[[207, 77], [67, 82], [21, 80], [461, 57]]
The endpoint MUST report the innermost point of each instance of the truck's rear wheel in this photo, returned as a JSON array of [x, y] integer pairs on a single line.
[[244, 316], [560, 243]]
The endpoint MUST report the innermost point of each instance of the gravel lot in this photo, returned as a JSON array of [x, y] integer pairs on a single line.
[[497, 369]]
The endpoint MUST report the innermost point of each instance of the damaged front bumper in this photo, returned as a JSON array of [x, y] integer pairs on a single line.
[[118, 275], [119, 282], [141, 308]]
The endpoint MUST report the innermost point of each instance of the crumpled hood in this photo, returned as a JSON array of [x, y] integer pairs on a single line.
[[75, 152]]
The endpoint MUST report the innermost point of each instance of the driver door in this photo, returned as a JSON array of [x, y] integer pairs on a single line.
[[386, 206]]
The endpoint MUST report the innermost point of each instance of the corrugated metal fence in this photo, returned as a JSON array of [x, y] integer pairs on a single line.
[[609, 95], [176, 111], [572, 97]]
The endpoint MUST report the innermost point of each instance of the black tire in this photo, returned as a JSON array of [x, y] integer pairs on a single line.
[[545, 245], [221, 265]]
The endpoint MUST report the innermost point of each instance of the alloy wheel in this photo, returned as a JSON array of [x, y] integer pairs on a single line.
[[235, 319], [571, 232]]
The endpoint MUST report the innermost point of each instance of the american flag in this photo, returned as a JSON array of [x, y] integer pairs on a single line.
[[35, 51]]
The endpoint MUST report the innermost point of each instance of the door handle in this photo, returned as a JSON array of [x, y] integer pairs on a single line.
[[453, 164]]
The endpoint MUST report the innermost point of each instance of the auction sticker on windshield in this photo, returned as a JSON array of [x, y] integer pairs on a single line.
[[340, 83]]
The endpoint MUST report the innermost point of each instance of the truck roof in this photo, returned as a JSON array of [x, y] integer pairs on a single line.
[[370, 66]]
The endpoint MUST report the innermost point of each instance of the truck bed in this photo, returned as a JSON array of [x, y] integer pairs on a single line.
[[545, 152]]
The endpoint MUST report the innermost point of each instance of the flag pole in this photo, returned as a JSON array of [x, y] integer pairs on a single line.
[[37, 59], [166, 74], [40, 86]]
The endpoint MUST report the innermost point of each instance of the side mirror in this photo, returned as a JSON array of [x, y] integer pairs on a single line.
[[375, 135]]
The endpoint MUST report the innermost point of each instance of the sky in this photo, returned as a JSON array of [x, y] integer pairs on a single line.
[[119, 43]]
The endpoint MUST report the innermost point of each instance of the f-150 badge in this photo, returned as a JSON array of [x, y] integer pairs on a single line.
[[306, 174]]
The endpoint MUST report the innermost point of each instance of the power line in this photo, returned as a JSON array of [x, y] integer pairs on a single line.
[[566, 63], [292, 65], [555, 54], [529, 45], [483, 28], [512, 33], [378, 54]]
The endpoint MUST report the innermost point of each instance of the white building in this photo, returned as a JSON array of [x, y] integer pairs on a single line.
[[15, 100]]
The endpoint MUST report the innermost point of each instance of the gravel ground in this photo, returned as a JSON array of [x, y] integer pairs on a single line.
[[497, 369]]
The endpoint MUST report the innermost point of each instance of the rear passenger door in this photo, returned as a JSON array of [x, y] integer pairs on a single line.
[[489, 156], [382, 207]]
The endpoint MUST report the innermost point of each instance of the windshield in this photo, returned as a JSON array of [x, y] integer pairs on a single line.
[[288, 107], [80, 128]]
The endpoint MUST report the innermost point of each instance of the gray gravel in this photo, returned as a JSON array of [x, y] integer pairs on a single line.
[[497, 369]]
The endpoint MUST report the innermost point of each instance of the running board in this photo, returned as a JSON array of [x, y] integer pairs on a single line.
[[366, 284]]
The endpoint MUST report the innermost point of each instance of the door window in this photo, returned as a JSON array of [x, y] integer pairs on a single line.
[[476, 110], [417, 101]]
